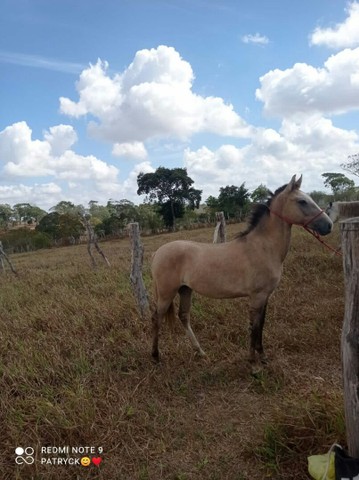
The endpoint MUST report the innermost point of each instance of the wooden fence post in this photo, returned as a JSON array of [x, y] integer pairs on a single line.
[[92, 240], [136, 269], [220, 230], [350, 333], [3, 257]]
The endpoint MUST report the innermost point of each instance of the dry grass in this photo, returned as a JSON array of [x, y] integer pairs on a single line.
[[76, 370]]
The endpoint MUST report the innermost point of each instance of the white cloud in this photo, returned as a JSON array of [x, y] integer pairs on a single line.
[[24, 157], [45, 195], [304, 89], [21, 155], [129, 189], [273, 157], [152, 98], [342, 35], [60, 138], [134, 150], [256, 39], [37, 61], [52, 157]]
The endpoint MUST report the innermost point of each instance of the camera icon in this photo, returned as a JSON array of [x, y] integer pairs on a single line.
[[24, 455]]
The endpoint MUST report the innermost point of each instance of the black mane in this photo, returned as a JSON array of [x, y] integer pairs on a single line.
[[258, 211]]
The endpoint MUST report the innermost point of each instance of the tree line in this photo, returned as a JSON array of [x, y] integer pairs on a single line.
[[171, 202]]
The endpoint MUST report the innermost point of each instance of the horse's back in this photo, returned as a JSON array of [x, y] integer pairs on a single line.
[[173, 253]]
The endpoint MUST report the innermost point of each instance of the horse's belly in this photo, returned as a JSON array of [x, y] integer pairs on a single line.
[[219, 289], [240, 284]]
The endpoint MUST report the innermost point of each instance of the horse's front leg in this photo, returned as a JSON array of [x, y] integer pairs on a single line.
[[257, 312]]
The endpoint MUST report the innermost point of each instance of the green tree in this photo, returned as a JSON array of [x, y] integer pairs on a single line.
[[149, 218], [6, 214], [260, 194], [124, 210], [338, 182], [321, 198], [171, 189], [233, 201], [98, 212], [25, 212], [352, 164], [66, 207], [59, 226]]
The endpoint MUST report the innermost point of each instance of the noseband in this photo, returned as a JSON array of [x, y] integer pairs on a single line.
[[305, 226]]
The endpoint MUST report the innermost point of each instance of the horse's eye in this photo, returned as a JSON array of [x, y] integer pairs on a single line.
[[302, 202]]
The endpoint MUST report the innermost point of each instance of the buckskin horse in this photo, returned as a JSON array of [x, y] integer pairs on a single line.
[[248, 266]]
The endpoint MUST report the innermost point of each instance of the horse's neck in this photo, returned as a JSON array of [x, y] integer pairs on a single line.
[[280, 233], [275, 233]]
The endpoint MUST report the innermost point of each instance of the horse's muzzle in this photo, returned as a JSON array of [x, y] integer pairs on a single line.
[[323, 225]]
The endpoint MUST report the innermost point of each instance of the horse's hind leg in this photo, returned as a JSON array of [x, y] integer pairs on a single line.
[[257, 314], [184, 315], [163, 308], [156, 321]]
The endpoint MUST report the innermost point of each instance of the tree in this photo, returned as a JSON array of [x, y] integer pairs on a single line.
[[50, 225], [6, 213], [352, 165], [98, 212], [63, 225], [124, 210], [260, 194], [233, 201], [66, 207], [338, 182], [321, 198], [25, 212], [172, 190], [149, 218]]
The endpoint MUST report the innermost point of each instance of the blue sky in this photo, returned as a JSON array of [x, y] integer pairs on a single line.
[[93, 92]]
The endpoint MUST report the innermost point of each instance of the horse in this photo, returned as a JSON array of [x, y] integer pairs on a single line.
[[337, 211], [248, 266]]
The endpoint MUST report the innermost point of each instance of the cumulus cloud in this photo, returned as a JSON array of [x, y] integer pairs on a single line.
[[310, 147], [24, 157], [342, 35], [46, 194], [130, 186], [255, 39], [152, 98], [304, 89], [60, 138], [133, 150]]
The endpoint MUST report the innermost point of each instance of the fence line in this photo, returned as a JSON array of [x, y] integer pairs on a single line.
[[350, 333]]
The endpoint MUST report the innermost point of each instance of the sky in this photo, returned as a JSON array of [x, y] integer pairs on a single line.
[[93, 92]]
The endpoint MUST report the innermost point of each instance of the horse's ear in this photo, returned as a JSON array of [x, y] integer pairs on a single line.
[[294, 184], [298, 183]]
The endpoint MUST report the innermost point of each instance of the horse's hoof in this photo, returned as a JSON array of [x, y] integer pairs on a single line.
[[251, 360], [155, 357], [200, 354], [263, 359]]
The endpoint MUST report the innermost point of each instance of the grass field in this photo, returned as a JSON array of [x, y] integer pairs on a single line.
[[76, 371]]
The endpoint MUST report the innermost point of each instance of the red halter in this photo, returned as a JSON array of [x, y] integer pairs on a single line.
[[309, 230], [304, 225]]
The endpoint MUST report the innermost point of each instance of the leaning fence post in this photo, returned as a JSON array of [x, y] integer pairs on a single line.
[[350, 333], [136, 268], [3, 257], [92, 240], [220, 230]]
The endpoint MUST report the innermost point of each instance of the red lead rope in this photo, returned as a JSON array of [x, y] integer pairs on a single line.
[[309, 230]]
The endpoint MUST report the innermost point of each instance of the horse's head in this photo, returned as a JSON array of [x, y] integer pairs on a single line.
[[332, 211], [298, 208]]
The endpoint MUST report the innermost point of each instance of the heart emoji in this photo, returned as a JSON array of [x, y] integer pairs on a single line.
[[96, 460]]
